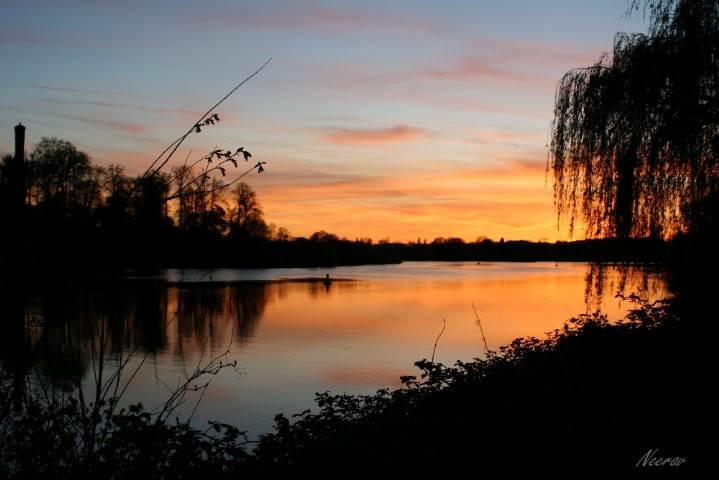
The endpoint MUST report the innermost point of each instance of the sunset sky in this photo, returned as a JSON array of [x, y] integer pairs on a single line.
[[384, 119]]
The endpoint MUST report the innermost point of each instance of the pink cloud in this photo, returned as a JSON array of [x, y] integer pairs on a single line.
[[472, 68], [398, 133]]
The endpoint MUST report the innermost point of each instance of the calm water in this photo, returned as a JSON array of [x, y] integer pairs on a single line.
[[292, 336]]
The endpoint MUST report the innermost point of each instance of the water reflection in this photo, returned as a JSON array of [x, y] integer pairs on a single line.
[[60, 330], [620, 280], [294, 335]]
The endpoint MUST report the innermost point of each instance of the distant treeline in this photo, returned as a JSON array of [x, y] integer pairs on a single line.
[[303, 252], [98, 251], [60, 213], [608, 250]]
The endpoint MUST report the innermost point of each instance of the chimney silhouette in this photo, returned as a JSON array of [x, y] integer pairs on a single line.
[[19, 176], [13, 221], [20, 144]]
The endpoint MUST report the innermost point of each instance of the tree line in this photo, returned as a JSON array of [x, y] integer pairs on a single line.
[[64, 189], [74, 208], [82, 215]]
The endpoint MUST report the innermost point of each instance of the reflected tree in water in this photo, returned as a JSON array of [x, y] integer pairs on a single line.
[[58, 333], [216, 311], [617, 281]]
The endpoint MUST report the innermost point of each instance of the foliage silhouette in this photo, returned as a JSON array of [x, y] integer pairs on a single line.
[[635, 137], [84, 431], [587, 399]]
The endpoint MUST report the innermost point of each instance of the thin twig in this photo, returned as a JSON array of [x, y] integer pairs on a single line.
[[479, 324], [437, 341], [178, 193]]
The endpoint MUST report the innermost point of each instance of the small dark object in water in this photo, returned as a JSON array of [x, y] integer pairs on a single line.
[[327, 281]]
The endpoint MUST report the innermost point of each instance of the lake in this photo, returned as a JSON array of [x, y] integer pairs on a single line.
[[293, 336]]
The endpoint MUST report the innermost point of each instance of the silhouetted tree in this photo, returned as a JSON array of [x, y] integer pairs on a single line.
[[11, 192], [635, 137], [322, 236], [148, 204], [6, 179], [282, 235], [214, 215], [198, 199], [115, 213], [63, 185], [246, 216]]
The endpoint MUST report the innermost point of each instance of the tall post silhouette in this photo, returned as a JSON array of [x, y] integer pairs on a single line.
[[18, 182], [13, 209], [19, 143]]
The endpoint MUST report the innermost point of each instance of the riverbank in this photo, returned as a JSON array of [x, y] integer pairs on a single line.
[[591, 400]]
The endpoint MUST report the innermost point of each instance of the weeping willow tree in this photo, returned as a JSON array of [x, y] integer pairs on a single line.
[[635, 137]]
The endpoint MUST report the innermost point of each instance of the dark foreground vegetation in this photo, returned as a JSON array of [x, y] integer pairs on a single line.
[[585, 402], [589, 401]]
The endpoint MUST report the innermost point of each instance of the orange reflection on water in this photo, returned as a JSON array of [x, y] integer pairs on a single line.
[[361, 335], [294, 338]]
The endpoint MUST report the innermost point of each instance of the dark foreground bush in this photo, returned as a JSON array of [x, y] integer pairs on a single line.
[[589, 401], [593, 400]]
